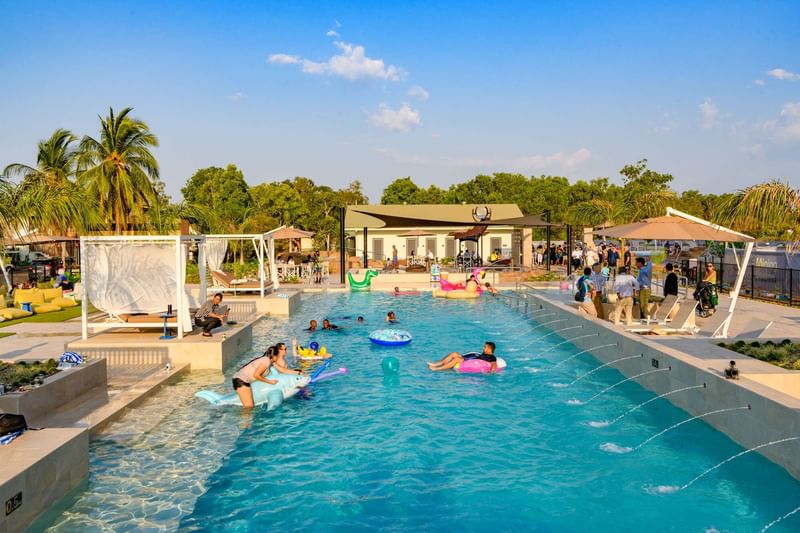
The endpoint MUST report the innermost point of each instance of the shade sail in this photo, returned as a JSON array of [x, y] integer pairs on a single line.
[[416, 233], [290, 232], [427, 216], [673, 228], [470, 234]]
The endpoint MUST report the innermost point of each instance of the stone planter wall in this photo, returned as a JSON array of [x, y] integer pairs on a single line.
[[57, 390]]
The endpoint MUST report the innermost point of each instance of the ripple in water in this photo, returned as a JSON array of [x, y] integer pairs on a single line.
[[599, 424], [559, 385], [574, 402], [610, 447]]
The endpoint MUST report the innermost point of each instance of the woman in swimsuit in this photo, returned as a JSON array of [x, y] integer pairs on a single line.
[[254, 370]]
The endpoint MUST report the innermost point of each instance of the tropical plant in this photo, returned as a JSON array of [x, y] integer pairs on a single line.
[[47, 199], [55, 162], [770, 209], [119, 169]]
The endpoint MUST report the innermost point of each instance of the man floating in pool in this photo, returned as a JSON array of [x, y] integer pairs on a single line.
[[453, 359]]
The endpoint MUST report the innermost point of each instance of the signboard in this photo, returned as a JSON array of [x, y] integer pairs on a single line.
[[13, 503]]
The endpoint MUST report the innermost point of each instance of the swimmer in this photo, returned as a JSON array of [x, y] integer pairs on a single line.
[[252, 371], [280, 360], [312, 326], [360, 320], [491, 290], [391, 317], [454, 358], [326, 324], [397, 290]]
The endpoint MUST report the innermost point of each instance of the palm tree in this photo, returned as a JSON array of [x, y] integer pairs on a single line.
[[55, 162], [48, 199], [119, 169], [770, 209]]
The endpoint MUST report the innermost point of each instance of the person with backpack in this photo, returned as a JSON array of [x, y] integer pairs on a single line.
[[585, 293]]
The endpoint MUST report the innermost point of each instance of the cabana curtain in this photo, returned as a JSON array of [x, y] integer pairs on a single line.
[[215, 252], [131, 277]]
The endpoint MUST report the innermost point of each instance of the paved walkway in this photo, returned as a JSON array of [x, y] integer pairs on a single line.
[[749, 318]]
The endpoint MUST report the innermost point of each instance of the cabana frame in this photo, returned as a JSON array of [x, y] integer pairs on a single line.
[[182, 303], [264, 245]]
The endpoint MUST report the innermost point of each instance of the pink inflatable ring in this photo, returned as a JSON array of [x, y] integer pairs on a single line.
[[479, 366]]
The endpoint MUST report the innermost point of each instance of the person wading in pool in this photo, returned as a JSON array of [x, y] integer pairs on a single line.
[[254, 370], [452, 359], [312, 326], [391, 317], [280, 360]]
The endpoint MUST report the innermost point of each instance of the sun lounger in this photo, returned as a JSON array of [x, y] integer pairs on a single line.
[[712, 326], [755, 329], [682, 323], [664, 309], [226, 282]]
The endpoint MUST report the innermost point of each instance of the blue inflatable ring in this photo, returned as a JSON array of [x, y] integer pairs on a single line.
[[390, 337]]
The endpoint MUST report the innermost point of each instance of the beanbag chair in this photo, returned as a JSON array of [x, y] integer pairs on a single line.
[[63, 303], [10, 313], [34, 296], [40, 309], [51, 294]]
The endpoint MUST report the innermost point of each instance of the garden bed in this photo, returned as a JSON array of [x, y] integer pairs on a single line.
[[785, 354], [56, 390], [19, 376]]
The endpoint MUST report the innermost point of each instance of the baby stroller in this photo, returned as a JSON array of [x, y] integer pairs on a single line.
[[706, 296]]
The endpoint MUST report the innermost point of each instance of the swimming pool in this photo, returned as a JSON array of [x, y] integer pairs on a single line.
[[423, 451]]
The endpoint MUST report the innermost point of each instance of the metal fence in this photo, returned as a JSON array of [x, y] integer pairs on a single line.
[[776, 285]]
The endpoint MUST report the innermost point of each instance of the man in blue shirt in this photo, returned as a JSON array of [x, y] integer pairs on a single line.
[[644, 278]]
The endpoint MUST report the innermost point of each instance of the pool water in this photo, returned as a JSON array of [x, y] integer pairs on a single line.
[[421, 450]]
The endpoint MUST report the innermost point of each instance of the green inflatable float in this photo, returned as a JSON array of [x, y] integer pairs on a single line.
[[364, 284]]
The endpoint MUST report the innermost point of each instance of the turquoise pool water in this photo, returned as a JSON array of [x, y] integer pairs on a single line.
[[424, 451]]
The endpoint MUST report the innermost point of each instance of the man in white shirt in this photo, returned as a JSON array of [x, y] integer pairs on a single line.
[[625, 286]]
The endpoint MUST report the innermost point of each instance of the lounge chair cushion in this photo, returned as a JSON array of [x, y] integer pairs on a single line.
[[51, 294], [10, 313], [40, 309], [63, 303], [34, 296]]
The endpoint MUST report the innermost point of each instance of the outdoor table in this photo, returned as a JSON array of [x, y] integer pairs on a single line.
[[165, 336]]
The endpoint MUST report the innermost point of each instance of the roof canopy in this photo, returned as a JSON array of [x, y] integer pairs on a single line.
[[469, 235], [675, 226], [290, 232], [437, 215]]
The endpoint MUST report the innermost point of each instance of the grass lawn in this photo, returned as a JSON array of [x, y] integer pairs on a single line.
[[785, 354], [5, 335], [57, 316]]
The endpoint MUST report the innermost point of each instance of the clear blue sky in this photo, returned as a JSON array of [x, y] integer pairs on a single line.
[[709, 91]]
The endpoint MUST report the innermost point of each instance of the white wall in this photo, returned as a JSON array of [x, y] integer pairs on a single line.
[[390, 237]]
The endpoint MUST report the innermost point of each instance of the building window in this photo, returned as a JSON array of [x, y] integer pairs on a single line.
[[450, 247], [377, 249]]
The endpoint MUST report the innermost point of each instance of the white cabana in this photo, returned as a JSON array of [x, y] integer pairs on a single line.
[[216, 245], [134, 278]]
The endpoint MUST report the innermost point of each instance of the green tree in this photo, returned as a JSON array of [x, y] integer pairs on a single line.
[[55, 162], [401, 191], [280, 201], [48, 199], [222, 190], [767, 210], [119, 169]]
